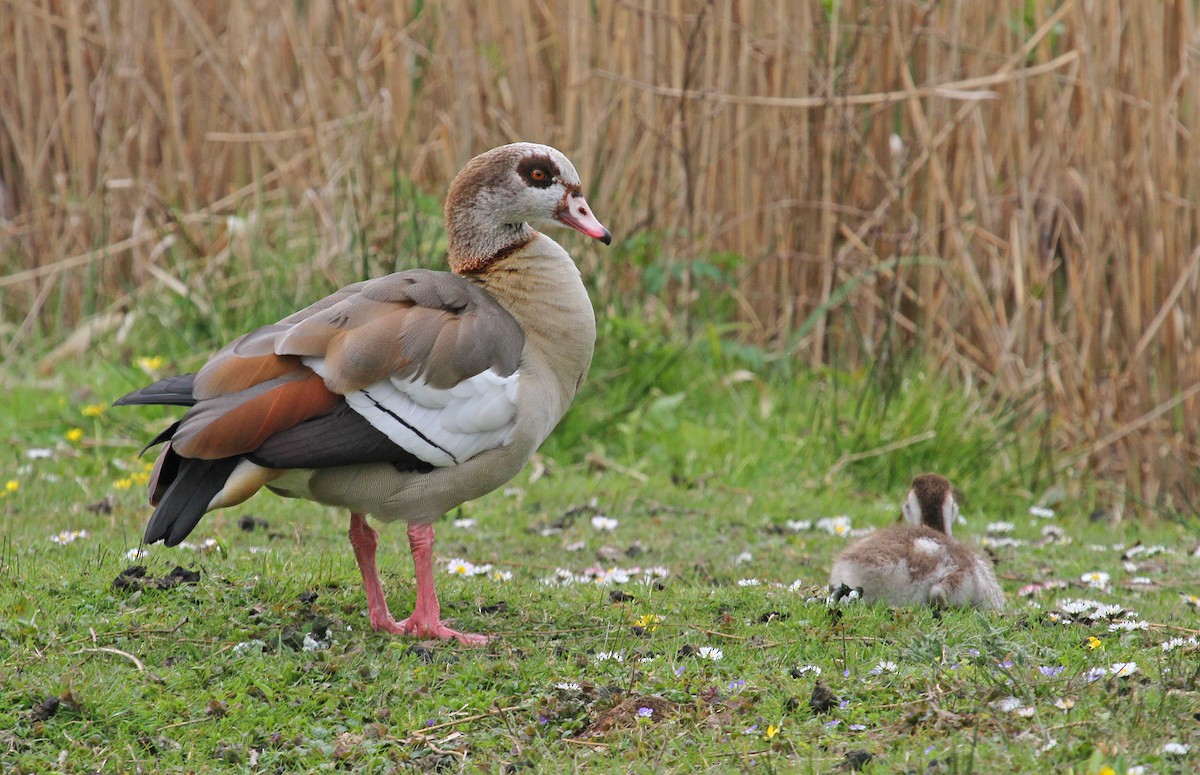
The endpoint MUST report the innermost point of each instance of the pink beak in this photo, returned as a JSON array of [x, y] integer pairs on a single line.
[[576, 214]]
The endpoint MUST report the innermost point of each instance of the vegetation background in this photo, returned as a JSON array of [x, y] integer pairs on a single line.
[[855, 240], [1006, 191]]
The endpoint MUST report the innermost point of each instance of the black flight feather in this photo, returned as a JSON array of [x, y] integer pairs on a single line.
[[187, 498], [172, 391]]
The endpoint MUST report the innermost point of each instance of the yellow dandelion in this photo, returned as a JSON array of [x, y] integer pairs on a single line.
[[12, 485], [151, 363], [93, 410], [1106, 770], [1093, 642], [123, 484], [772, 730], [74, 435], [648, 622], [140, 478]]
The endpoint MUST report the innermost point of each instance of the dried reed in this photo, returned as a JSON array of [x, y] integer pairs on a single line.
[[1009, 187]]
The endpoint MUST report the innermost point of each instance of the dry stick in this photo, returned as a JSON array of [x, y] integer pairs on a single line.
[[464, 720], [589, 743], [108, 650], [189, 722], [846, 460], [955, 90], [600, 461], [1175, 627]]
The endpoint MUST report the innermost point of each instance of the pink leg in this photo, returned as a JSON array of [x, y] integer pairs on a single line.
[[363, 539], [425, 621]]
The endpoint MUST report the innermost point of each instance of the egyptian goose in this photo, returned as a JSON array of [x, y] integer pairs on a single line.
[[920, 563], [400, 397]]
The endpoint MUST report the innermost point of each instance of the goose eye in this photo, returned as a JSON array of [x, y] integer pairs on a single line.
[[538, 175]]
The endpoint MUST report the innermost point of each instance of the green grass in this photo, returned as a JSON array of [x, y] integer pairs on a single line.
[[703, 455]]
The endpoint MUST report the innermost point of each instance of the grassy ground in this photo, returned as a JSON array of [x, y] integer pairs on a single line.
[[687, 633]]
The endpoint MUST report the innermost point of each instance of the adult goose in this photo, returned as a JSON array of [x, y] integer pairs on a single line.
[[400, 397], [920, 563]]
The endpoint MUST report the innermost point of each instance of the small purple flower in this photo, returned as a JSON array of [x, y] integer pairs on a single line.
[[750, 729], [736, 685], [645, 712], [929, 750], [846, 673], [844, 704], [857, 727], [679, 670], [973, 652], [543, 720], [832, 724], [1006, 664], [1051, 671]]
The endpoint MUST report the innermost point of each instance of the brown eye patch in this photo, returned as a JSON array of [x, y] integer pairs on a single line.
[[537, 171]]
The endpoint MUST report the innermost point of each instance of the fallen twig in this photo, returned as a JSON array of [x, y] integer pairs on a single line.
[[109, 650]]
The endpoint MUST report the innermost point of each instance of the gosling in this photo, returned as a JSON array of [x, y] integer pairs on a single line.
[[920, 563]]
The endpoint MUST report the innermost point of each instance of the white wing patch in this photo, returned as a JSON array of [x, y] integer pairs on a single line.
[[927, 546], [443, 427]]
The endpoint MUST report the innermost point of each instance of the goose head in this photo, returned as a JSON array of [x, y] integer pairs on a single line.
[[498, 194], [930, 502]]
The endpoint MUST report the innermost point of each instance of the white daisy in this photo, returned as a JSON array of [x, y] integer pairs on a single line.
[[68, 536], [1124, 669], [1002, 542], [601, 522], [1096, 579], [1106, 611], [710, 653], [837, 526]]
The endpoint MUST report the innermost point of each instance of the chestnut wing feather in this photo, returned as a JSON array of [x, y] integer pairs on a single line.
[[432, 326]]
